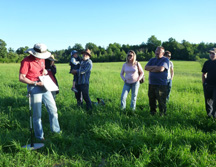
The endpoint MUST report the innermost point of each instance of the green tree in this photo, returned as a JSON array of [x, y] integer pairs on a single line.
[[153, 43], [78, 47], [92, 47], [174, 47], [3, 49], [22, 50]]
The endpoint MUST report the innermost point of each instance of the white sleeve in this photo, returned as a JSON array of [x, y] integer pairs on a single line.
[[73, 61]]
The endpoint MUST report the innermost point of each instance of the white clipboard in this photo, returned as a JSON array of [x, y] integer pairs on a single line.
[[48, 83]]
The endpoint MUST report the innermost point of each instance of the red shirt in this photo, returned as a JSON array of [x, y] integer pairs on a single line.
[[32, 67]]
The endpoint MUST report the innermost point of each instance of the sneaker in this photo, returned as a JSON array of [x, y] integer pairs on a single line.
[[74, 89]]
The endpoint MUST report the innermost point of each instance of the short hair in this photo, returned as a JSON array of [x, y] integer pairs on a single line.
[[167, 53], [161, 47], [134, 56]]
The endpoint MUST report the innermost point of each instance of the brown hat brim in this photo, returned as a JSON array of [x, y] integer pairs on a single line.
[[86, 53], [51, 59], [211, 51]]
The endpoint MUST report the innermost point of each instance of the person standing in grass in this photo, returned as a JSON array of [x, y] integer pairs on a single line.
[[82, 83], [131, 79], [170, 76], [75, 64], [209, 83], [158, 71], [51, 69], [31, 68]]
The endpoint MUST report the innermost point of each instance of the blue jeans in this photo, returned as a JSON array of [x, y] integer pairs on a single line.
[[169, 86], [134, 87], [38, 95]]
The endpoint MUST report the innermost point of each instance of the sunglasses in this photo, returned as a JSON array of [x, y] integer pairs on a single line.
[[130, 55]]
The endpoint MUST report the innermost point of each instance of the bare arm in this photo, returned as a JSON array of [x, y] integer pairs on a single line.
[[149, 68], [23, 79], [122, 73], [140, 71], [154, 68], [172, 73], [203, 77]]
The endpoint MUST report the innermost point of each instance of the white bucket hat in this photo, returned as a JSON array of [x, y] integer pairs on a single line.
[[39, 51]]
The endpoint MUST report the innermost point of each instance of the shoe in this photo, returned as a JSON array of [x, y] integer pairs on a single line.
[[74, 89]]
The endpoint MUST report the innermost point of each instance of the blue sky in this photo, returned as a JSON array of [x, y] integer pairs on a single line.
[[62, 23]]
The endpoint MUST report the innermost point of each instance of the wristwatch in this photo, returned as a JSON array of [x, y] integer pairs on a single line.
[[35, 83]]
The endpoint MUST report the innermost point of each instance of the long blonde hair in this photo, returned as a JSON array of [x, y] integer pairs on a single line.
[[134, 56]]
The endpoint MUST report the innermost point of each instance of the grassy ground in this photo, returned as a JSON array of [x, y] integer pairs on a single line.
[[109, 137]]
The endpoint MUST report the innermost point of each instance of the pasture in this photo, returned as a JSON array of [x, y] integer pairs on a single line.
[[110, 137]]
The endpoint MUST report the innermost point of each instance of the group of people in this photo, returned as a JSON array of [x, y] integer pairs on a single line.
[[161, 72]]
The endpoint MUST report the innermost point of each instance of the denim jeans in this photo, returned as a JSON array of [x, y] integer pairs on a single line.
[[83, 93], [134, 87], [38, 95], [169, 86]]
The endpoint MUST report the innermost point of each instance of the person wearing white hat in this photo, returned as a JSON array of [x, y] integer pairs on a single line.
[[31, 68]]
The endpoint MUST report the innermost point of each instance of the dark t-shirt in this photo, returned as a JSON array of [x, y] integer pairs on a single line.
[[209, 67]]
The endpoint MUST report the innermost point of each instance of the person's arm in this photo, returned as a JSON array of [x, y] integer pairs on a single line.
[[23, 79], [122, 73], [73, 61], [203, 77], [85, 68], [149, 68], [140, 71], [154, 68], [158, 69], [172, 73]]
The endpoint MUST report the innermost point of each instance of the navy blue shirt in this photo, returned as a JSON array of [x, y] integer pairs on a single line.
[[158, 78]]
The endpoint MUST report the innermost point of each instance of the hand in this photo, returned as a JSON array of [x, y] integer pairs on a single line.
[[40, 83], [45, 72], [74, 72]]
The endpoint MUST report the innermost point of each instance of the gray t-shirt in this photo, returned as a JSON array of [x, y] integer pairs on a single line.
[[169, 71]]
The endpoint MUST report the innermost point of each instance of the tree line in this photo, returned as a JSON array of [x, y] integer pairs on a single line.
[[116, 52]]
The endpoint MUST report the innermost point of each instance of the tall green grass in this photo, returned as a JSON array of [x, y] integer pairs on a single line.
[[110, 137]]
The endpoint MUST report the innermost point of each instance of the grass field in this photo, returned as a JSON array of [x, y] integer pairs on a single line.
[[109, 137]]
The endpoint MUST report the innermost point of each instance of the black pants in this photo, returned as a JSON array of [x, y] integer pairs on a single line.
[[210, 99], [157, 93], [83, 93]]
